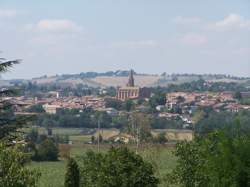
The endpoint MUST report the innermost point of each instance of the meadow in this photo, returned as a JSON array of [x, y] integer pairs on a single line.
[[52, 173]]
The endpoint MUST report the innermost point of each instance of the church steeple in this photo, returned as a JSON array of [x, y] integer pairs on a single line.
[[131, 81]]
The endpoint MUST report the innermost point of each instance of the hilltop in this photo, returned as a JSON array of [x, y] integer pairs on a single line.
[[119, 78]]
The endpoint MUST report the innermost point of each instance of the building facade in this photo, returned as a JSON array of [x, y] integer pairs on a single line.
[[131, 91]]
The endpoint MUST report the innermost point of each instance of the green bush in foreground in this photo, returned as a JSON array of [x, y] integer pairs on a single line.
[[218, 159], [118, 167], [12, 170], [72, 178], [46, 151]]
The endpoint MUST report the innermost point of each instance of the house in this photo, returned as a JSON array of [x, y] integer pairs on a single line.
[[51, 109]]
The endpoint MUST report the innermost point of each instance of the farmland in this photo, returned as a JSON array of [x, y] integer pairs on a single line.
[[52, 173]]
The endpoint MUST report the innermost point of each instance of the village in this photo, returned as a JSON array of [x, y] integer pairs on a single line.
[[177, 105]]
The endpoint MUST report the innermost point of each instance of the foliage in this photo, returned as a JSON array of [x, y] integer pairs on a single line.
[[158, 98], [118, 167], [46, 151], [72, 177], [113, 103], [128, 105], [36, 108], [237, 95], [222, 120], [219, 159], [12, 170], [160, 138], [140, 126]]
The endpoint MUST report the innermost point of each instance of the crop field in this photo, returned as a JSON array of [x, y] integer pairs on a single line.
[[52, 173]]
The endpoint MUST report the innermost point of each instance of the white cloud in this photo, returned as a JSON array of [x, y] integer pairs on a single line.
[[7, 13], [230, 22], [135, 44], [54, 25], [194, 39], [57, 25], [186, 20]]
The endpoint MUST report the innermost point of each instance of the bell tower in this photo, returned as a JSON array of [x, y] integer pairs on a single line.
[[131, 81]]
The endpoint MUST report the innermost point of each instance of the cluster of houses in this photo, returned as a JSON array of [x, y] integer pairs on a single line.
[[190, 101], [52, 104]]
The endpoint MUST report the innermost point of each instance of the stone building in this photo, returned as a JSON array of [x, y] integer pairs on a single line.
[[131, 91]]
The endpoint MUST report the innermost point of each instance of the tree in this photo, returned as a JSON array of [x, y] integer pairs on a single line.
[[72, 177], [219, 159], [160, 138], [237, 95], [140, 127], [36, 108], [13, 173], [8, 122], [32, 136], [12, 160], [158, 99], [128, 105], [117, 167], [113, 103], [47, 151]]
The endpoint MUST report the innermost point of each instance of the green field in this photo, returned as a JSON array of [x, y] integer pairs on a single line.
[[52, 173]]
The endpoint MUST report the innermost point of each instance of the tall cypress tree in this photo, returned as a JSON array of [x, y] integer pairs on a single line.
[[72, 177], [9, 123]]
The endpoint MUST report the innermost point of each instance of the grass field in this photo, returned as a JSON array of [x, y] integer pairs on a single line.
[[52, 173]]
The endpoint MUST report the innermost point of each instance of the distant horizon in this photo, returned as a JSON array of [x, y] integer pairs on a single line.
[[138, 73]]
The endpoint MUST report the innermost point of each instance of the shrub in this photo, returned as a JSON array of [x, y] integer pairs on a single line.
[[72, 177], [118, 167], [47, 151], [12, 170]]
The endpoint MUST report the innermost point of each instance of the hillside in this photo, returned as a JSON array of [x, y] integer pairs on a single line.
[[120, 78]]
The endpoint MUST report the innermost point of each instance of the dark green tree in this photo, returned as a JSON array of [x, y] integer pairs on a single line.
[[72, 177], [218, 159], [47, 151], [118, 167], [128, 105], [13, 173]]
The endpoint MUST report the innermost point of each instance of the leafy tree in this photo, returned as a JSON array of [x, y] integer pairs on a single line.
[[113, 103], [219, 159], [72, 177], [237, 95], [158, 99], [117, 167], [36, 108], [128, 105], [160, 138], [12, 170], [47, 151], [140, 126], [32, 135]]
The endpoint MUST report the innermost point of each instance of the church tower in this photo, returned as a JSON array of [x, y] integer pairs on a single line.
[[131, 81]]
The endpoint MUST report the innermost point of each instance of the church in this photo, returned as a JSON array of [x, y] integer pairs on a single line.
[[131, 91]]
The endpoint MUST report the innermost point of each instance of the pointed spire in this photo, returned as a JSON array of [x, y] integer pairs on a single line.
[[131, 82]]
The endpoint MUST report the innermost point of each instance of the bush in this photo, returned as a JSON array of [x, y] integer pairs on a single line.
[[12, 170], [72, 177], [218, 159], [118, 167], [46, 151]]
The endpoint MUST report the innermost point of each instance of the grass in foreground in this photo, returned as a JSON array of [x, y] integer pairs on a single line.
[[53, 172]]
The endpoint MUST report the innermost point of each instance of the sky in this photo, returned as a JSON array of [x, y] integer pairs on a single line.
[[149, 36]]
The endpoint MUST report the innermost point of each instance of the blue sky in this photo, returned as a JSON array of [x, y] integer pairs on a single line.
[[152, 36]]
